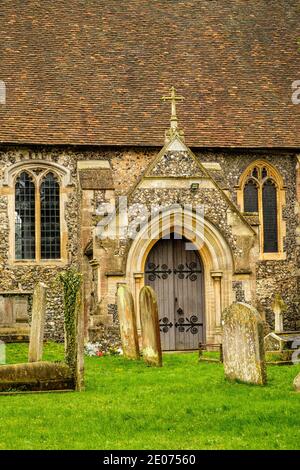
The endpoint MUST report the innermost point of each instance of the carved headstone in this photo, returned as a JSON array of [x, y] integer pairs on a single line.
[[279, 307], [37, 323], [150, 327], [128, 330], [243, 344]]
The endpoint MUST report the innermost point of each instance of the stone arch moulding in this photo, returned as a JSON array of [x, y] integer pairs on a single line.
[[213, 249], [274, 173], [11, 171]]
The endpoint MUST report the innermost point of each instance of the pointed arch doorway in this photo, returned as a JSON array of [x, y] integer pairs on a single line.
[[174, 270]]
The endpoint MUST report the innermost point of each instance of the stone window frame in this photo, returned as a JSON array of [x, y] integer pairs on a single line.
[[274, 175], [37, 169]]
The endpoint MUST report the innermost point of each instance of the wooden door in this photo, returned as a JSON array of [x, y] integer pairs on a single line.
[[176, 275]]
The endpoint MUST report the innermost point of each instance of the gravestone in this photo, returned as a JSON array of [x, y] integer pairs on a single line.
[[150, 327], [278, 308], [243, 344], [6, 311], [79, 334], [74, 339], [37, 323], [2, 353], [296, 383], [286, 341], [128, 330]]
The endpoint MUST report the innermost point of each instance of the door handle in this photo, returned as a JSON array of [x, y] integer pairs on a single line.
[[176, 300]]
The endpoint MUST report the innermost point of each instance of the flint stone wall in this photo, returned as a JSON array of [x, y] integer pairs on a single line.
[[271, 276], [127, 166]]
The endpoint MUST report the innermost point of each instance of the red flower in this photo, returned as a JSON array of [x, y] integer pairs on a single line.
[[99, 353]]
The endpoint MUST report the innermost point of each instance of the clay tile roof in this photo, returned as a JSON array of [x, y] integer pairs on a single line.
[[92, 72]]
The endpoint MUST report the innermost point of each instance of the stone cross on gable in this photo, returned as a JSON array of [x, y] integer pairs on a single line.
[[174, 120]]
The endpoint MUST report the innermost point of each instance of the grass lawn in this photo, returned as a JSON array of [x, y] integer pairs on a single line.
[[127, 405]]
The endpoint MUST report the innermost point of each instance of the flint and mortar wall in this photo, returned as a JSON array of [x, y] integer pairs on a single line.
[[127, 166]]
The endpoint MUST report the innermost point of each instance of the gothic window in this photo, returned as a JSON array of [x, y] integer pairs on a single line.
[[25, 217], [50, 218], [261, 187], [269, 199], [251, 196], [37, 216]]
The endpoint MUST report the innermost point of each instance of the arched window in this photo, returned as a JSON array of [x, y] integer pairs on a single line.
[[50, 218], [251, 196], [37, 216], [269, 201], [261, 188], [24, 217]]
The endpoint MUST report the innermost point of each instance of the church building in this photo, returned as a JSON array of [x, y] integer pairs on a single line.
[[150, 143]]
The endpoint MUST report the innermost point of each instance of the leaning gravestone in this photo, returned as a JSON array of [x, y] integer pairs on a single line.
[[150, 327], [128, 330], [37, 323], [243, 344]]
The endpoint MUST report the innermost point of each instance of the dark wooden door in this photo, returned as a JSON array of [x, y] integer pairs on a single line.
[[176, 275]]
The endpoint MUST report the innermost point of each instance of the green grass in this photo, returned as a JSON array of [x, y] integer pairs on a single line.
[[127, 405]]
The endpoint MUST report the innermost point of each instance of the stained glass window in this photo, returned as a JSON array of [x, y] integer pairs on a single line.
[[24, 217], [50, 218], [269, 195], [250, 197]]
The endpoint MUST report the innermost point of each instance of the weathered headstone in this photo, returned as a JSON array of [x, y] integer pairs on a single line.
[[74, 340], [2, 352], [79, 315], [128, 330], [279, 307], [296, 383], [71, 281], [37, 323], [243, 344], [150, 327]]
